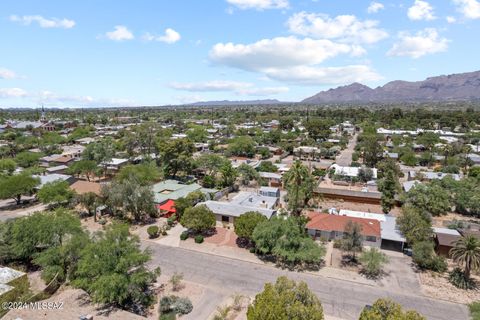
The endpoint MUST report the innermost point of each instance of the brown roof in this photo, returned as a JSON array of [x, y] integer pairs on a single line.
[[82, 187], [350, 193], [331, 222], [447, 240], [63, 159]]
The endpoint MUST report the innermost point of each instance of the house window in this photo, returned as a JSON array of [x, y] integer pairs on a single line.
[[225, 219], [371, 239]]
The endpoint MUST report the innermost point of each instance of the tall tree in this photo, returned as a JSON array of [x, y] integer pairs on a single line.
[[198, 219], [176, 156], [55, 192], [384, 309], [285, 300], [120, 277], [17, 185], [352, 240], [298, 186], [467, 253]]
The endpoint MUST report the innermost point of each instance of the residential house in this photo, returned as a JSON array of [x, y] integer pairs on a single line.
[[331, 227], [445, 240], [273, 179]]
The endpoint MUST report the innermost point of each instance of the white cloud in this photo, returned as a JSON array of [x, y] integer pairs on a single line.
[[7, 74], [44, 22], [421, 10], [422, 43], [12, 93], [451, 19], [345, 28], [215, 85], [119, 34], [469, 8], [259, 4], [306, 75], [239, 88], [170, 36], [281, 52], [74, 100], [374, 7]]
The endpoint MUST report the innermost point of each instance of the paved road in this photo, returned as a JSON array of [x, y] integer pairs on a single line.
[[345, 157], [343, 299]]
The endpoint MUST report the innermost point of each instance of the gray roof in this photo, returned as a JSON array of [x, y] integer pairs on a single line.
[[44, 179], [234, 210], [270, 175], [172, 189], [390, 230], [269, 189], [254, 200], [407, 185]]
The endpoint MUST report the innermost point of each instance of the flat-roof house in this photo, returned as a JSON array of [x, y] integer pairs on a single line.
[[269, 192], [115, 163], [243, 202], [350, 171], [331, 227], [46, 178]]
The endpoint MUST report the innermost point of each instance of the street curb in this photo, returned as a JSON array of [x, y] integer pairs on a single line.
[[264, 264]]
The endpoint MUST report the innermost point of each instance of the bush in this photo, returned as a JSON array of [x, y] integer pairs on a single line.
[[184, 235], [355, 156], [171, 221], [474, 310], [166, 303], [153, 232], [168, 316], [337, 243], [458, 279], [252, 250], [424, 256], [182, 306], [199, 239], [102, 222]]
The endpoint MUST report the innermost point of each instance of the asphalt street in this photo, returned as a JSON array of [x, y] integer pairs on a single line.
[[340, 298]]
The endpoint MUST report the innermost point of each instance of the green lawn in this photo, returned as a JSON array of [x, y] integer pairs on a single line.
[[475, 310]]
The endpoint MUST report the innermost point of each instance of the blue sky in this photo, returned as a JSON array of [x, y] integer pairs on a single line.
[[150, 52]]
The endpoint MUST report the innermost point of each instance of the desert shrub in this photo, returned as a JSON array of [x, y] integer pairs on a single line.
[[182, 306], [199, 238], [184, 235], [168, 316], [459, 280], [153, 232]]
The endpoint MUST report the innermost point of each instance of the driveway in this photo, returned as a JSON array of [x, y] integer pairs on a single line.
[[340, 298]]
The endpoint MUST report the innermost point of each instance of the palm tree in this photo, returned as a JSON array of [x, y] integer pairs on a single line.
[[295, 178], [467, 252]]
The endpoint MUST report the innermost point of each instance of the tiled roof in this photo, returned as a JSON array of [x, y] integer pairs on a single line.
[[330, 222]]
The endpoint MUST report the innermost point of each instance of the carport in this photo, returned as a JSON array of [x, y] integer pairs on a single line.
[[392, 238]]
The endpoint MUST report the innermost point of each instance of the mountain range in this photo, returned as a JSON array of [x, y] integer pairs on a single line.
[[445, 88], [454, 87]]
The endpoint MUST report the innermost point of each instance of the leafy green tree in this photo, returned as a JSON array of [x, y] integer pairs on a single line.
[[425, 257], [267, 166], [228, 175], [467, 253], [372, 150], [90, 202], [246, 223], [247, 173], [176, 156], [242, 146], [199, 219], [414, 226], [352, 240], [298, 184], [365, 174], [7, 166], [409, 158], [55, 192], [101, 152], [430, 198], [287, 241], [145, 173], [17, 185], [211, 163], [61, 261], [130, 197], [318, 128], [385, 309], [197, 134], [285, 300], [372, 262], [42, 230], [27, 159], [388, 185], [189, 201], [88, 168], [121, 278]]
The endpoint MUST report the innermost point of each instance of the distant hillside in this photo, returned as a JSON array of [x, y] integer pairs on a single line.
[[455, 87], [235, 103]]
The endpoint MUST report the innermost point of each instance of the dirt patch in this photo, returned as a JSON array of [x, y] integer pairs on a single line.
[[326, 204], [437, 286], [223, 237]]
